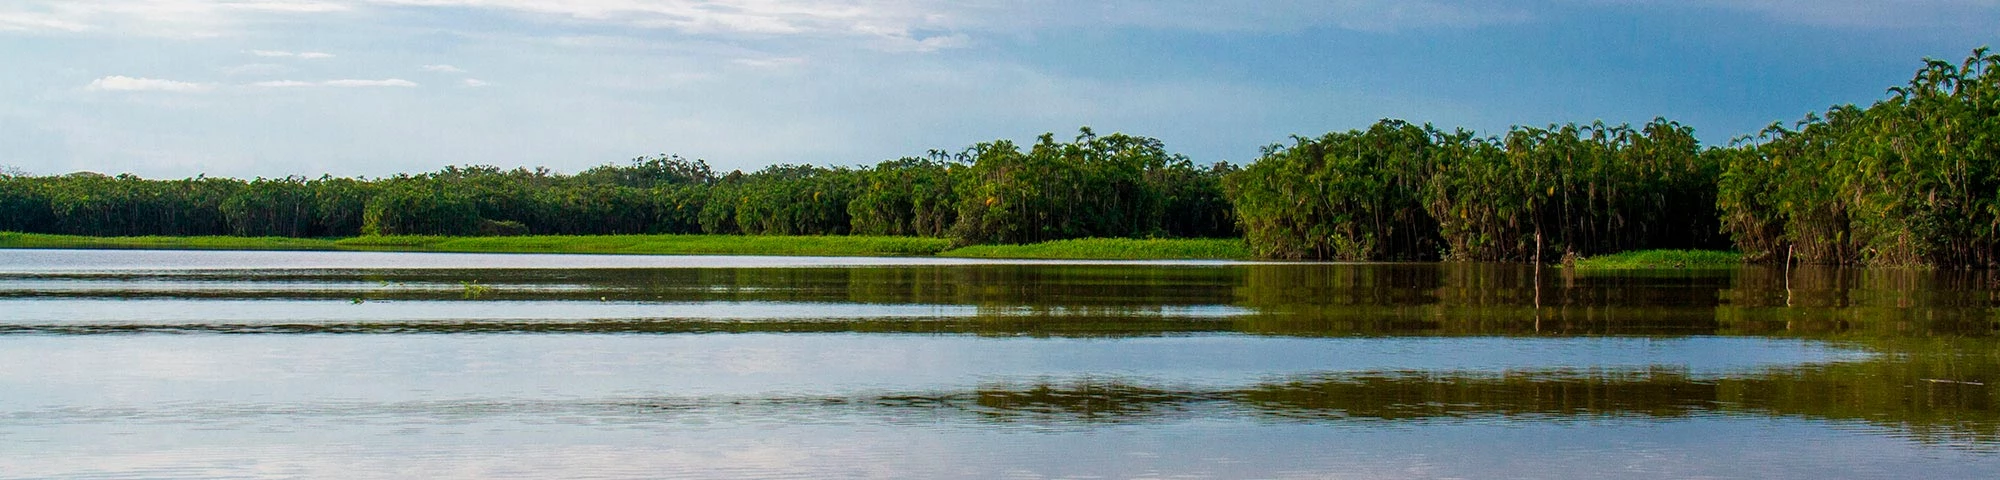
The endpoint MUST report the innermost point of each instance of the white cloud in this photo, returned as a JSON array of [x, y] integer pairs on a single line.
[[442, 68], [391, 82], [29, 22], [771, 62], [1214, 16], [348, 83], [931, 25], [907, 26], [163, 18], [889, 25], [286, 54], [473, 83], [287, 6], [121, 83], [256, 69], [741, 16]]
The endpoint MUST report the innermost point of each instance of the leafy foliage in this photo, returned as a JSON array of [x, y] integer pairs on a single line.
[[1911, 180], [1113, 186], [1356, 195], [1126, 187], [1571, 189], [909, 196], [1399, 191]]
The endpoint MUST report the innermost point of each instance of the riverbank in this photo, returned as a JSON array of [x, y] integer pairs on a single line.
[[1662, 259], [845, 246], [1114, 249], [833, 246], [803, 245]]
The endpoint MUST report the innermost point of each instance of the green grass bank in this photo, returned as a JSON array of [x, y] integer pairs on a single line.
[[1114, 249], [1085, 249], [37, 240], [1662, 259], [597, 244], [843, 246], [840, 246]]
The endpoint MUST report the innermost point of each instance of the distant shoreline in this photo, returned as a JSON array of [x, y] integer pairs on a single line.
[[779, 245], [769, 245]]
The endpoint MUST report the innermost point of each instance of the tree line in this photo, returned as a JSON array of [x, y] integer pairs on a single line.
[[1913, 179], [996, 192], [1398, 191], [1910, 180]]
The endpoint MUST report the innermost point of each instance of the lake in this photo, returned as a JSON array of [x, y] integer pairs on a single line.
[[202, 364]]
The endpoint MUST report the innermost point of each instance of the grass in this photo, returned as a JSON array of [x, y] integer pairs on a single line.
[[37, 240], [604, 244], [1662, 259], [660, 245], [1083, 249], [1079, 249], [1114, 249]]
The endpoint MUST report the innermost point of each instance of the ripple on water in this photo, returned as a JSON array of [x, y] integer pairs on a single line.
[[997, 371]]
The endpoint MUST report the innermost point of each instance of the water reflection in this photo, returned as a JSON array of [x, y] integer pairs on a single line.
[[1269, 299], [935, 322], [551, 365], [1280, 299], [1958, 414]]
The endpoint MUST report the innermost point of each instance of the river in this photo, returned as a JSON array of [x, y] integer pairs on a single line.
[[203, 364]]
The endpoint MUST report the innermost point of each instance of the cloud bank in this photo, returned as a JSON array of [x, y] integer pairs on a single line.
[[285, 54], [342, 83], [121, 83]]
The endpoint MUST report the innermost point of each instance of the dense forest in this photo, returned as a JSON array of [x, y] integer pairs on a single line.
[[1405, 192], [1913, 179], [1094, 186]]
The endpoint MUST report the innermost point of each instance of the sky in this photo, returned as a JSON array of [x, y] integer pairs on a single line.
[[270, 88]]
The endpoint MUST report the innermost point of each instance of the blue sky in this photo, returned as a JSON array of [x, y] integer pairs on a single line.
[[245, 88]]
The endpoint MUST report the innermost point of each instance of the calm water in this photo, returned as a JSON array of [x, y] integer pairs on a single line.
[[138, 364]]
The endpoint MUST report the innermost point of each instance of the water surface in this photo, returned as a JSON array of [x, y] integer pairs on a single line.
[[141, 364]]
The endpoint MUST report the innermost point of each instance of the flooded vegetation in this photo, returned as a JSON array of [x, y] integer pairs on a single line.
[[282, 364]]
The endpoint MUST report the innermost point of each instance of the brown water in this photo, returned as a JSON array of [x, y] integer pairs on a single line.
[[135, 364]]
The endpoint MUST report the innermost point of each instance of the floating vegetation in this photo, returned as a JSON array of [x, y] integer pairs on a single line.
[[472, 290]]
